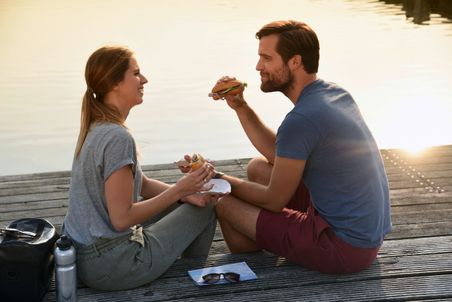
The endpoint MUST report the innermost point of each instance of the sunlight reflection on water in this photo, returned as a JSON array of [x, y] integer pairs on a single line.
[[397, 71]]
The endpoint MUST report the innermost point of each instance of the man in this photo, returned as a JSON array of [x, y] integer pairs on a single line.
[[319, 195]]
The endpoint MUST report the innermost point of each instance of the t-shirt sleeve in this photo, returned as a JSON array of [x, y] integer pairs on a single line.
[[296, 137], [118, 151]]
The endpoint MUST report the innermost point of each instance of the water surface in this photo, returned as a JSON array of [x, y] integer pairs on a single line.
[[397, 71]]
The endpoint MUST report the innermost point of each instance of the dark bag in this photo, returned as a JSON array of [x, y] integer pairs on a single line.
[[26, 259]]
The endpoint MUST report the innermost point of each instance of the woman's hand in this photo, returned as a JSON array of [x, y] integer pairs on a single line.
[[195, 181], [201, 200], [184, 167]]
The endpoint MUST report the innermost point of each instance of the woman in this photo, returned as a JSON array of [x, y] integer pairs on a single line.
[[123, 242]]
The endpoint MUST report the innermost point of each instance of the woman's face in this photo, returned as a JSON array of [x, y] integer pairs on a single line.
[[131, 88]]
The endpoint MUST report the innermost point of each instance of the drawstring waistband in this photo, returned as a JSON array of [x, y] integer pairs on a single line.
[[104, 243], [137, 235]]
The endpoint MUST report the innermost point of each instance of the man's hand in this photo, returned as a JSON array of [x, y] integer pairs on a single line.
[[233, 101]]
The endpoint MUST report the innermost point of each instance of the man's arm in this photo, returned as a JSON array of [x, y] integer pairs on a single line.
[[262, 137], [284, 181]]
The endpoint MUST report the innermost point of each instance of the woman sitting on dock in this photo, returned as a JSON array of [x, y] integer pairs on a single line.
[[123, 242]]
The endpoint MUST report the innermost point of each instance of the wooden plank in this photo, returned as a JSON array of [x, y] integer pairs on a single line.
[[417, 191], [402, 201], [35, 197], [415, 214], [396, 170], [34, 205], [420, 230], [33, 190], [33, 176], [37, 182], [416, 246]]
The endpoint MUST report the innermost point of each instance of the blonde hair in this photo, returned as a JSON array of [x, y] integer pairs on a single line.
[[104, 69]]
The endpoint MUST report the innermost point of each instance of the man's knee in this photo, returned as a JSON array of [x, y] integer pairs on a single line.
[[259, 170], [238, 214], [229, 208], [221, 208]]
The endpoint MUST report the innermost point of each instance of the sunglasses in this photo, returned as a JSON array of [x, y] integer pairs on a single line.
[[215, 277]]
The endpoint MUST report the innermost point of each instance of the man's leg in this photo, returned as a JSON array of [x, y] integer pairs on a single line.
[[259, 170], [238, 224], [237, 218]]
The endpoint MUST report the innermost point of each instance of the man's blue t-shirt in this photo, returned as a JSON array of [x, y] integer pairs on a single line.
[[344, 170]]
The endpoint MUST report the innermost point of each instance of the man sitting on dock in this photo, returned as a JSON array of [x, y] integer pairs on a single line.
[[319, 195]]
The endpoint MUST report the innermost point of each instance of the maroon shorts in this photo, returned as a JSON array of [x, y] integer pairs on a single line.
[[299, 234]]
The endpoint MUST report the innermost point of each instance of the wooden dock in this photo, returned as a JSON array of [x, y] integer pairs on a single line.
[[415, 262]]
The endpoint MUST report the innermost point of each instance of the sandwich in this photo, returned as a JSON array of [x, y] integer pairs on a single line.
[[196, 161], [232, 87]]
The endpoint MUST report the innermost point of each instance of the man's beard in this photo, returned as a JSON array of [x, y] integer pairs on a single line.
[[281, 81]]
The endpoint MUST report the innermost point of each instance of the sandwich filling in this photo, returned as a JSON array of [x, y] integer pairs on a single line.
[[231, 88]]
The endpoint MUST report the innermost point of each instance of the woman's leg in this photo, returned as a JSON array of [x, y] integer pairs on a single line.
[[188, 230], [201, 245], [123, 263]]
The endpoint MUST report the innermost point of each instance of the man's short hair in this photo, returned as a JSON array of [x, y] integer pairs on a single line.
[[294, 38]]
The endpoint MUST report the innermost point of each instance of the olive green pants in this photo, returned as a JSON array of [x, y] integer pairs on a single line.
[[141, 257]]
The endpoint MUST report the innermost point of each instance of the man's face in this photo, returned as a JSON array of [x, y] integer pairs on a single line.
[[275, 74]]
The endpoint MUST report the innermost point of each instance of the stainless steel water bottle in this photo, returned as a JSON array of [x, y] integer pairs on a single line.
[[65, 270]]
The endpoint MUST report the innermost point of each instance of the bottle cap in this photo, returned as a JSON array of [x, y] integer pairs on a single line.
[[64, 243]]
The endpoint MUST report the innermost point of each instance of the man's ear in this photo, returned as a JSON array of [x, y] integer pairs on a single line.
[[295, 62]]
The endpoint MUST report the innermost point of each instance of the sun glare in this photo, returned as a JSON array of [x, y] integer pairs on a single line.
[[411, 125], [416, 148]]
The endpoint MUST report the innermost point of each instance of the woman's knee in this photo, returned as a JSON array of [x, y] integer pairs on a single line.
[[206, 214]]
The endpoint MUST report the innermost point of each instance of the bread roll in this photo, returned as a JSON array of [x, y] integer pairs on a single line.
[[196, 161], [232, 87]]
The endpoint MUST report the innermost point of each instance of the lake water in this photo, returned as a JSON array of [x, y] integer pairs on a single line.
[[399, 72]]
